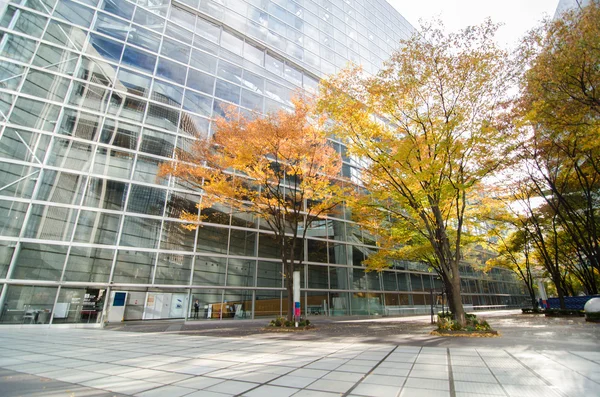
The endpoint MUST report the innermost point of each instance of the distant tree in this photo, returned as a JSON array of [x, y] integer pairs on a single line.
[[425, 133], [559, 115], [278, 168]]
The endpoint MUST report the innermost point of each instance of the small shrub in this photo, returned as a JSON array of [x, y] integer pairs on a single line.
[[447, 323]]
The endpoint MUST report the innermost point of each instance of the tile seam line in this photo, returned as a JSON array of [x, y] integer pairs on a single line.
[[492, 372], [450, 374], [546, 382], [563, 365], [281, 376], [370, 372]]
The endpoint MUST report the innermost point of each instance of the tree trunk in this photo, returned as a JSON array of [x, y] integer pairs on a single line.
[[455, 301]]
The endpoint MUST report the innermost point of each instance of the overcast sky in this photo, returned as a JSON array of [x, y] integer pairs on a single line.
[[518, 16]]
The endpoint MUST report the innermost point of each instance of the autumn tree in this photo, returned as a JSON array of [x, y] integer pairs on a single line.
[[559, 116], [278, 168], [424, 132]]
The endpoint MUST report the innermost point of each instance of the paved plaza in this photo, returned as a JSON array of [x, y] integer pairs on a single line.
[[80, 362]]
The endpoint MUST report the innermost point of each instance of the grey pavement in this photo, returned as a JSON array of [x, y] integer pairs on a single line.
[[86, 362]]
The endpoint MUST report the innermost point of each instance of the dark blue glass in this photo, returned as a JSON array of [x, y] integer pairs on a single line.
[[139, 59], [119, 7], [171, 70], [109, 49]]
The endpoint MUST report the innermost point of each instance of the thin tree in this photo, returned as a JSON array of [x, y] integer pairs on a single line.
[[278, 168]]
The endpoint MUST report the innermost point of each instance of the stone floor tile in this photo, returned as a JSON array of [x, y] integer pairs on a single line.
[[232, 387], [391, 371], [385, 380], [271, 391], [429, 375], [374, 390], [309, 373], [199, 382], [293, 381], [355, 368], [469, 377], [336, 386], [344, 376], [170, 391], [532, 391], [314, 393], [410, 392], [433, 384], [484, 389]]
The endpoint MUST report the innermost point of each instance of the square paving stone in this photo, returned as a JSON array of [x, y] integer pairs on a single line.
[[531, 391], [410, 392], [487, 389], [385, 380], [293, 381], [390, 371], [314, 393], [372, 390], [336, 386], [468, 377], [344, 376], [199, 382], [268, 390], [433, 384], [429, 375], [171, 391], [232, 387], [309, 373]]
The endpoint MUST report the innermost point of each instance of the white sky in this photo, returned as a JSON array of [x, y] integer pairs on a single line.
[[518, 16]]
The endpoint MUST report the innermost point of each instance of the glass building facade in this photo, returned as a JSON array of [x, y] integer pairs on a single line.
[[95, 94]]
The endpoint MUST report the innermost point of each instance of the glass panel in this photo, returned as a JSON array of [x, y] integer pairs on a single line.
[[175, 50], [242, 243], [26, 22], [317, 277], [133, 83], [120, 8], [317, 251], [209, 271], [200, 81], [163, 117], [102, 47], [212, 239], [89, 96], [65, 35], [39, 262], [111, 26], [50, 223], [79, 306], [6, 252], [167, 93], [268, 247], [268, 303], [146, 170], [12, 214], [138, 59], [157, 143], [112, 162], [10, 75], [237, 304], [146, 200], [338, 277], [89, 264], [80, 124], [74, 155], [171, 70], [74, 13], [203, 61], [45, 85], [179, 202], [270, 274], [177, 238], [17, 48], [197, 103], [144, 38], [23, 145], [134, 267], [205, 303], [102, 193], [126, 106], [34, 114], [120, 134], [415, 282], [140, 232], [61, 187], [28, 304], [97, 228], [173, 269], [240, 272], [227, 91]]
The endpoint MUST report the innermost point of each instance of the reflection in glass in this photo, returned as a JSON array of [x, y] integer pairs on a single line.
[[39, 262], [50, 223], [209, 271], [173, 269], [26, 304], [97, 228], [134, 267], [89, 264]]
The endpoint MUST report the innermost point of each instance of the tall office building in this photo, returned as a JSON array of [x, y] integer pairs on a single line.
[[95, 94]]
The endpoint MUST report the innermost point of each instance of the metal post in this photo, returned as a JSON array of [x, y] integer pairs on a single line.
[[296, 280], [431, 301]]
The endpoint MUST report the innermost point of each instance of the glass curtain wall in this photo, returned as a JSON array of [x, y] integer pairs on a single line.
[[96, 94]]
